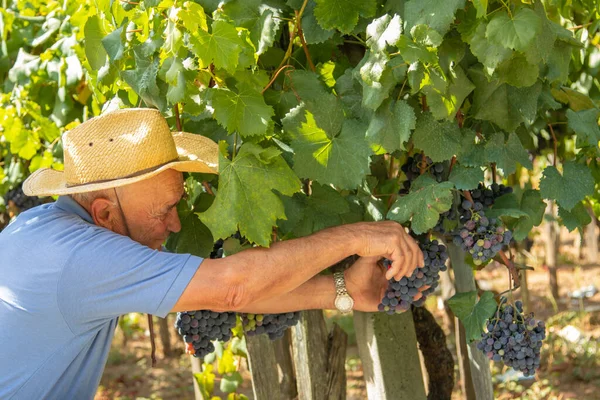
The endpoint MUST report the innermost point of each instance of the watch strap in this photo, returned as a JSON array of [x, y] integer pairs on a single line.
[[340, 283]]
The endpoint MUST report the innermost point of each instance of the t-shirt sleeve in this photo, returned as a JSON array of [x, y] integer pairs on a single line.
[[107, 275]]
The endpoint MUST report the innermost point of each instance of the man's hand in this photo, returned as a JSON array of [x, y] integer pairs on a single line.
[[366, 283], [388, 239]]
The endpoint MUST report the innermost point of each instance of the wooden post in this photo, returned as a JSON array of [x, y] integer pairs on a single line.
[[387, 346], [591, 240], [285, 366], [196, 368], [263, 367], [479, 364], [165, 336], [552, 242], [319, 358]]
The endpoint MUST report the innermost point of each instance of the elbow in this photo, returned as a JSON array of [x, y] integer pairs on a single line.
[[237, 294]]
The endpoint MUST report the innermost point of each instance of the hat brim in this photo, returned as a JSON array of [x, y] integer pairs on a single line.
[[50, 182]]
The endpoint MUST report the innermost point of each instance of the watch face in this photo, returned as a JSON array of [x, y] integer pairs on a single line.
[[344, 303]]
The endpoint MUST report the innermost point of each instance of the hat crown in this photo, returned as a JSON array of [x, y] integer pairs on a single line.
[[116, 145]]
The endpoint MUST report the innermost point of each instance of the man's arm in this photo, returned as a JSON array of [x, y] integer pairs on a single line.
[[253, 275]]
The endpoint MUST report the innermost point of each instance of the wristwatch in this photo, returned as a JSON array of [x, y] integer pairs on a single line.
[[343, 301]]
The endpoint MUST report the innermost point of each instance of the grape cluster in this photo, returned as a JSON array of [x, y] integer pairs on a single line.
[[487, 196], [199, 328], [513, 338], [412, 169], [20, 200], [483, 238], [274, 325], [399, 294]]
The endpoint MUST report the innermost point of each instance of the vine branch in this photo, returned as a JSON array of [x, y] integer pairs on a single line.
[[177, 117], [304, 46], [555, 145]]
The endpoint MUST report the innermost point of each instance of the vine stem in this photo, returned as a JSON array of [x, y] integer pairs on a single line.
[[514, 274], [304, 46], [452, 162], [555, 145], [493, 172], [468, 196], [177, 117], [275, 77], [207, 188], [133, 3]]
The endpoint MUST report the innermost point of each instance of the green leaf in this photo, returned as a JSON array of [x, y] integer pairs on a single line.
[[519, 216], [308, 214], [313, 33], [488, 53], [244, 111], [259, 17], [424, 204], [515, 33], [323, 155], [193, 17], [436, 14], [472, 313], [194, 238], [113, 44], [246, 199], [585, 125], [413, 52], [518, 72], [465, 178], [142, 79], [173, 36], [439, 140], [507, 155], [391, 126], [575, 219], [376, 92], [577, 101], [426, 36], [444, 99], [383, 31], [558, 62], [502, 104], [567, 189], [94, 51], [481, 7], [343, 14], [176, 91], [222, 46], [230, 382]]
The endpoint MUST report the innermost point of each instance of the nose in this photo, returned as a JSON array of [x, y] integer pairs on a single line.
[[173, 222]]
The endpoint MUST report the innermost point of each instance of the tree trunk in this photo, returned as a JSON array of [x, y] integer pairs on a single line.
[[165, 336], [552, 242], [438, 359], [387, 346], [479, 365]]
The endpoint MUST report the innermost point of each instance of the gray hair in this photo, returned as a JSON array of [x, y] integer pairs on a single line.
[[87, 198]]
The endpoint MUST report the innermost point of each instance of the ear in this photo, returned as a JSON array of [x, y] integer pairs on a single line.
[[103, 212]]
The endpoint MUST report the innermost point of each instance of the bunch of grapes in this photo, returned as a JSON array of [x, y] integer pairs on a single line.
[[483, 238], [487, 196], [513, 338], [274, 325], [399, 294], [199, 328], [412, 169], [20, 200]]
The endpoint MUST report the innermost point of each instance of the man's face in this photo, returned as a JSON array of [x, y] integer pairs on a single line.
[[150, 207]]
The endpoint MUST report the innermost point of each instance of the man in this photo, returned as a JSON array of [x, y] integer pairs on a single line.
[[71, 268]]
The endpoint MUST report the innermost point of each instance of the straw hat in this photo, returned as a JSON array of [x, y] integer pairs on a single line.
[[119, 148]]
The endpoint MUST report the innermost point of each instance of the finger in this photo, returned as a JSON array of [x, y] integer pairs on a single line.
[[405, 265], [416, 251], [424, 288], [417, 296], [398, 258]]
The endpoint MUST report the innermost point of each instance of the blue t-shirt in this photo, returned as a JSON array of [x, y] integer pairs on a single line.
[[64, 281]]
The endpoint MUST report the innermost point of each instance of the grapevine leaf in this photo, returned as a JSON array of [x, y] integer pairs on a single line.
[[426, 36], [176, 92], [436, 14], [173, 37], [472, 313], [541, 48], [246, 199], [502, 104], [193, 17], [518, 72], [577, 101], [343, 14], [585, 125], [465, 178], [230, 381], [515, 33], [113, 44], [349, 90], [488, 53], [567, 189], [259, 17], [424, 204], [384, 31], [444, 101], [507, 155], [439, 140], [376, 92], [313, 33], [142, 79], [413, 52], [523, 215], [576, 218], [244, 111], [309, 214], [322, 154], [471, 154], [390, 126], [481, 7], [558, 62], [222, 46], [94, 51], [194, 238]]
